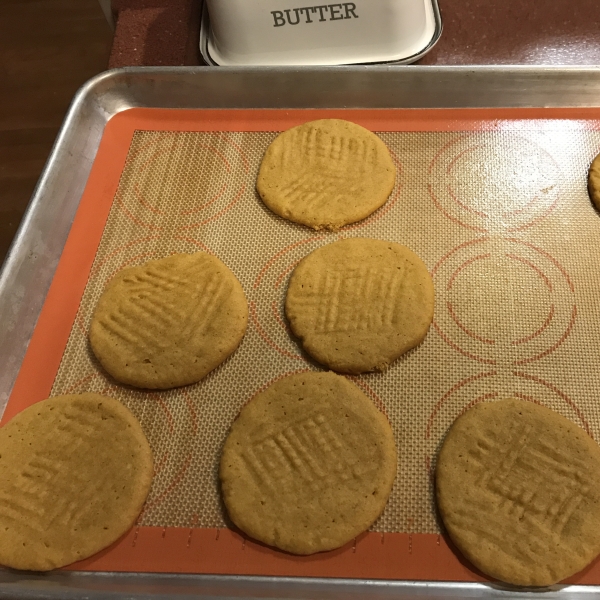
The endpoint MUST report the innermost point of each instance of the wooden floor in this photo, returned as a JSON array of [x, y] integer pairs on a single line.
[[48, 49]]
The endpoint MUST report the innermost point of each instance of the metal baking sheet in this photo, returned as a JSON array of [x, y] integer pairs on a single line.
[[30, 266]]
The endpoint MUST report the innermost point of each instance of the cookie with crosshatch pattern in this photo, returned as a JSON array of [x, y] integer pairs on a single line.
[[308, 464], [594, 181], [359, 304], [518, 489], [75, 472], [169, 322], [326, 174]]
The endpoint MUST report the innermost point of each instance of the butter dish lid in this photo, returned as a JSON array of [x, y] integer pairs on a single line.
[[293, 32]]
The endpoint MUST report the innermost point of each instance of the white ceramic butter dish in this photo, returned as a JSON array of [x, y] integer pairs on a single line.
[[297, 32]]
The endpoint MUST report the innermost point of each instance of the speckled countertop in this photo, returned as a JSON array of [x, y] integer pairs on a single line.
[[476, 32], [484, 32]]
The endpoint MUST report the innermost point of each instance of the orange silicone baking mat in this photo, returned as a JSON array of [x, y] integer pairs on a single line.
[[494, 202]]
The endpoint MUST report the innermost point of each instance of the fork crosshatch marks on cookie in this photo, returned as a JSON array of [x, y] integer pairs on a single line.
[[146, 303], [362, 299], [331, 152], [313, 193], [306, 453], [530, 478], [342, 162]]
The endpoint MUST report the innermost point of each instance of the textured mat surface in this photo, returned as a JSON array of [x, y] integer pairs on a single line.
[[501, 218]]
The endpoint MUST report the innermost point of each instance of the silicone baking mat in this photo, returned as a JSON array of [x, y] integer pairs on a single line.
[[494, 202]]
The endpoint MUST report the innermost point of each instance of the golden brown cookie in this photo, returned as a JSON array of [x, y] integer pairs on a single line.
[[518, 489], [169, 322], [359, 304], [326, 174], [308, 464], [594, 181], [74, 474]]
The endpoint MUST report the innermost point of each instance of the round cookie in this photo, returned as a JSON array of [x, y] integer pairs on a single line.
[[594, 181], [169, 322], [518, 489], [308, 465], [75, 472], [359, 304], [326, 174]]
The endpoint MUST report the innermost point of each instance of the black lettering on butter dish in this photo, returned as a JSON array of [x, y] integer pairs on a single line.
[[350, 8], [321, 9], [308, 10], [278, 18], [287, 12], [336, 12], [293, 16]]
